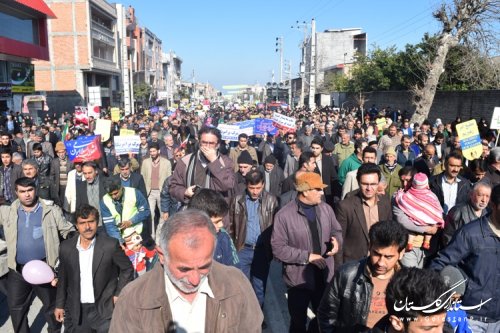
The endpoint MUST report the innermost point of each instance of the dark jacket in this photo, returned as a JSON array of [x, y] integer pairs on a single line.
[[457, 217], [15, 172], [136, 181], [111, 271], [493, 175], [268, 206], [436, 186], [401, 158], [291, 243], [167, 203], [276, 177], [328, 173], [474, 249], [351, 217], [144, 306], [81, 191], [346, 301]]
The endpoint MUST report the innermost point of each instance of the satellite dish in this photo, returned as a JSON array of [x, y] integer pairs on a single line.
[[281, 84], [275, 85], [268, 85]]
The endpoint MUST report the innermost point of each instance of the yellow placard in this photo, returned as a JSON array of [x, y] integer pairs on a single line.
[[126, 132], [381, 122], [115, 114], [470, 141], [103, 127], [146, 112]]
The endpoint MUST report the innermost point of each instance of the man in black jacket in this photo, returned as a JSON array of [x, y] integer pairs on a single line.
[[129, 178], [451, 188], [93, 269], [354, 300]]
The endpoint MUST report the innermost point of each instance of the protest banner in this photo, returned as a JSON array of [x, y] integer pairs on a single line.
[[84, 148], [81, 115], [126, 132], [229, 132], [103, 128], [470, 141], [284, 122], [495, 120], [127, 144], [246, 126], [115, 114], [263, 126]]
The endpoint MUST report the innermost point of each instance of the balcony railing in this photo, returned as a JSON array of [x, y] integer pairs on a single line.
[[103, 34]]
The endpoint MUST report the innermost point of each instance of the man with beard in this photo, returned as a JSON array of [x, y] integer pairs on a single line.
[[9, 173], [354, 300], [475, 208], [450, 188], [188, 292], [306, 236], [155, 169]]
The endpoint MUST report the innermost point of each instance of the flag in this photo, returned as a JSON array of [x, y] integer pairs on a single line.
[[184, 143], [84, 148], [65, 133]]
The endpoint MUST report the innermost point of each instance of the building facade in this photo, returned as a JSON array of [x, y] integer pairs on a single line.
[[23, 38], [84, 66], [331, 51]]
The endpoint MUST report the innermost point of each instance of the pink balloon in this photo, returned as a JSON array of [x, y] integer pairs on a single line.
[[37, 272]]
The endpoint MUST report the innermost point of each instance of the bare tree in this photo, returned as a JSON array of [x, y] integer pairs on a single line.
[[463, 21]]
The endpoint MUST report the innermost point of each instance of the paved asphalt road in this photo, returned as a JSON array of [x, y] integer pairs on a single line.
[[275, 308]]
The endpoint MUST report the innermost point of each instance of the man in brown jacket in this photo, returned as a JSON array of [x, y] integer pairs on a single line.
[[188, 292], [357, 213]]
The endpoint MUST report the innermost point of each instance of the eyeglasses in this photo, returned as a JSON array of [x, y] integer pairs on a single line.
[[207, 143]]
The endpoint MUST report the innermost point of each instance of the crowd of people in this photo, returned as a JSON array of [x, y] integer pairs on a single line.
[[380, 224]]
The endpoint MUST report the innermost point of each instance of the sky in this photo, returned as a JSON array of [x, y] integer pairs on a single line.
[[233, 42]]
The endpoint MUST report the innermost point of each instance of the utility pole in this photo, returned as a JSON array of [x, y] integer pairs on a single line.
[[304, 26], [279, 48], [194, 87], [288, 72], [312, 74]]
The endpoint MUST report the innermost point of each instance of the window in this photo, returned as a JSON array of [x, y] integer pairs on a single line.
[[24, 29]]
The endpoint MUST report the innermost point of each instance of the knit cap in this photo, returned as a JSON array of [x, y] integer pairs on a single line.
[[245, 158], [420, 181]]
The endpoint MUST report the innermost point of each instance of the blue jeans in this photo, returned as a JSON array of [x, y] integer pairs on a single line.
[[255, 265]]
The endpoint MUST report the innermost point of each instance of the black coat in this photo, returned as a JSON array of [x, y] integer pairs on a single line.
[[464, 187], [111, 271], [81, 191], [136, 181]]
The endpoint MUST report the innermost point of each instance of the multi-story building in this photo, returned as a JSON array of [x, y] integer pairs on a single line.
[[172, 73], [333, 50], [99, 52], [23, 38], [84, 65], [150, 64]]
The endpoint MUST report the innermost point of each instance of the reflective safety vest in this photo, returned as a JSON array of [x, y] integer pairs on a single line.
[[129, 209]]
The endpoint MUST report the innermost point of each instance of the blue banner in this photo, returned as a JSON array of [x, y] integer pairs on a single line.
[[84, 148], [263, 126]]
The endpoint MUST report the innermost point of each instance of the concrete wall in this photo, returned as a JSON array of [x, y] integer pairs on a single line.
[[447, 104]]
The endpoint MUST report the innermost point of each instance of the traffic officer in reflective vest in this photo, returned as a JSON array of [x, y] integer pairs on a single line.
[[123, 208]]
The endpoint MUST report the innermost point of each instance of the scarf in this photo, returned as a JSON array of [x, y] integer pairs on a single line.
[[421, 206]]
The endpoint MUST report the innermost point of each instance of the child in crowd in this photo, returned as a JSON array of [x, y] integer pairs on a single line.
[[214, 204], [421, 206]]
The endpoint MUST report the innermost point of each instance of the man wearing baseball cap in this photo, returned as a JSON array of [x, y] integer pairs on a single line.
[[306, 235]]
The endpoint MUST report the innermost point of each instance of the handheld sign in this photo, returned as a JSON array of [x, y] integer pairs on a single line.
[[470, 141]]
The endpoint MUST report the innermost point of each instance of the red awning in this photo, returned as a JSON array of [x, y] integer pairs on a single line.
[[38, 5]]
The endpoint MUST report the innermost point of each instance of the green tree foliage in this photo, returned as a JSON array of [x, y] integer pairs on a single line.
[[387, 69], [142, 91]]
